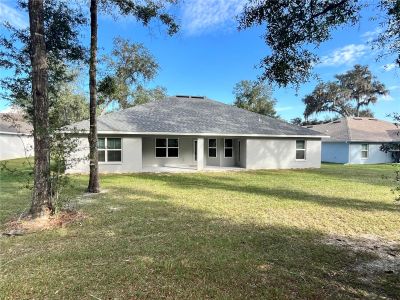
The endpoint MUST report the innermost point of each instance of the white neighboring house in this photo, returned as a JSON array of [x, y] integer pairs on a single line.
[[195, 133], [355, 140], [16, 138]]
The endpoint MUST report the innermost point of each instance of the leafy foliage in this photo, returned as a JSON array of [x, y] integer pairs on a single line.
[[389, 39], [143, 11], [128, 67], [346, 96], [300, 122], [291, 26], [394, 149], [255, 97], [62, 25]]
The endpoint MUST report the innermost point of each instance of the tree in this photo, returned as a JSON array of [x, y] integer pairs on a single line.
[[300, 122], [294, 27], [94, 186], [144, 12], [346, 96], [37, 57], [255, 97], [389, 39], [128, 67], [41, 203], [363, 87]]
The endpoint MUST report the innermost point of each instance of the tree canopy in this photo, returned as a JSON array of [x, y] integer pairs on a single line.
[[293, 28], [61, 28], [255, 97], [129, 66], [351, 91]]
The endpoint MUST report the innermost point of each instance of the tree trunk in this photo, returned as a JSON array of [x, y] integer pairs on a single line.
[[41, 198], [93, 186]]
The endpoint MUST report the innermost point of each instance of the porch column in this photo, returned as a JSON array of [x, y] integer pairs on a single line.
[[200, 153]]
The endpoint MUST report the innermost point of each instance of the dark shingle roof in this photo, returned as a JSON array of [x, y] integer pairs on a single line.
[[186, 115], [353, 129], [12, 123]]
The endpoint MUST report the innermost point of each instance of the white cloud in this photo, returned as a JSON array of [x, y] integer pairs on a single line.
[[389, 67], [386, 98], [11, 15], [200, 16], [394, 87], [284, 108], [344, 56], [371, 35]]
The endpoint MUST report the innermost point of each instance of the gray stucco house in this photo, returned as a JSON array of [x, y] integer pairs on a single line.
[[16, 139], [196, 133], [355, 140]]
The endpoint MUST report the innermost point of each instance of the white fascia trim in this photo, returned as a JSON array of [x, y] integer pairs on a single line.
[[206, 134], [15, 133]]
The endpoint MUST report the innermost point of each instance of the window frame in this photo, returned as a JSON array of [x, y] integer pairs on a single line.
[[105, 149], [362, 150], [166, 148], [228, 148], [303, 149], [216, 148]]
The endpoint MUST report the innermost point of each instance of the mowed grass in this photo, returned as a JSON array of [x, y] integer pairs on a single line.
[[231, 235]]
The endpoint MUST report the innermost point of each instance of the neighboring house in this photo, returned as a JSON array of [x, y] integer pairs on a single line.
[[16, 139], [355, 140], [188, 132]]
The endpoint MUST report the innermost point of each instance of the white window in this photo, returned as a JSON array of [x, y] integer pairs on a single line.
[[228, 147], [212, 147], [364, 151], [300, 149], [167, 148], [109, 149]]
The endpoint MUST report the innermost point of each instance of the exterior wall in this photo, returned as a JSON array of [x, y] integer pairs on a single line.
[[15, 146], [186, 154], [375, 156], [281, 154], [221, 160], [335, 152], [131, 157]]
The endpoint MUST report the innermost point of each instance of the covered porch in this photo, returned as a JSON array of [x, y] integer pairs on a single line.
[[191, 153]]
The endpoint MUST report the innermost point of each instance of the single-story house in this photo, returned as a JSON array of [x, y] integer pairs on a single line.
[[196, 133], [355, 140], [16, 138]]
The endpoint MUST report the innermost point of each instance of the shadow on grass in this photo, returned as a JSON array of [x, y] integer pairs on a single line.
[[153, 249], [193, 181], [380, 175]]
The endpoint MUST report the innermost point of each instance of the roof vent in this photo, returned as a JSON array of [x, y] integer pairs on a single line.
[[336, 121], [309, 126], [192, 97], [372, 119]]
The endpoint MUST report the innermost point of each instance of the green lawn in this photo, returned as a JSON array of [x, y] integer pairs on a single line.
[[261, 234]]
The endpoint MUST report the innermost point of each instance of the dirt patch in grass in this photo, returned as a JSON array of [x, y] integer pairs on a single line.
[[386, 255], [28, 225]]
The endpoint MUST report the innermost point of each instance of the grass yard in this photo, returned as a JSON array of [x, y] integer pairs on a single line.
[[265, 234]]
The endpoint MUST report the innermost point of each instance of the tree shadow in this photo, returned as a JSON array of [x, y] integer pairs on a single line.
[[154, 249], [240, 186]]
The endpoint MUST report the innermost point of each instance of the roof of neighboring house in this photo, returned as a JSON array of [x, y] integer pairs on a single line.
[[355, 129], [14, 123], [193, 115]]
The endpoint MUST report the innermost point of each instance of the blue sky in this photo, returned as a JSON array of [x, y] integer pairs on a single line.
[[208, 56]]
